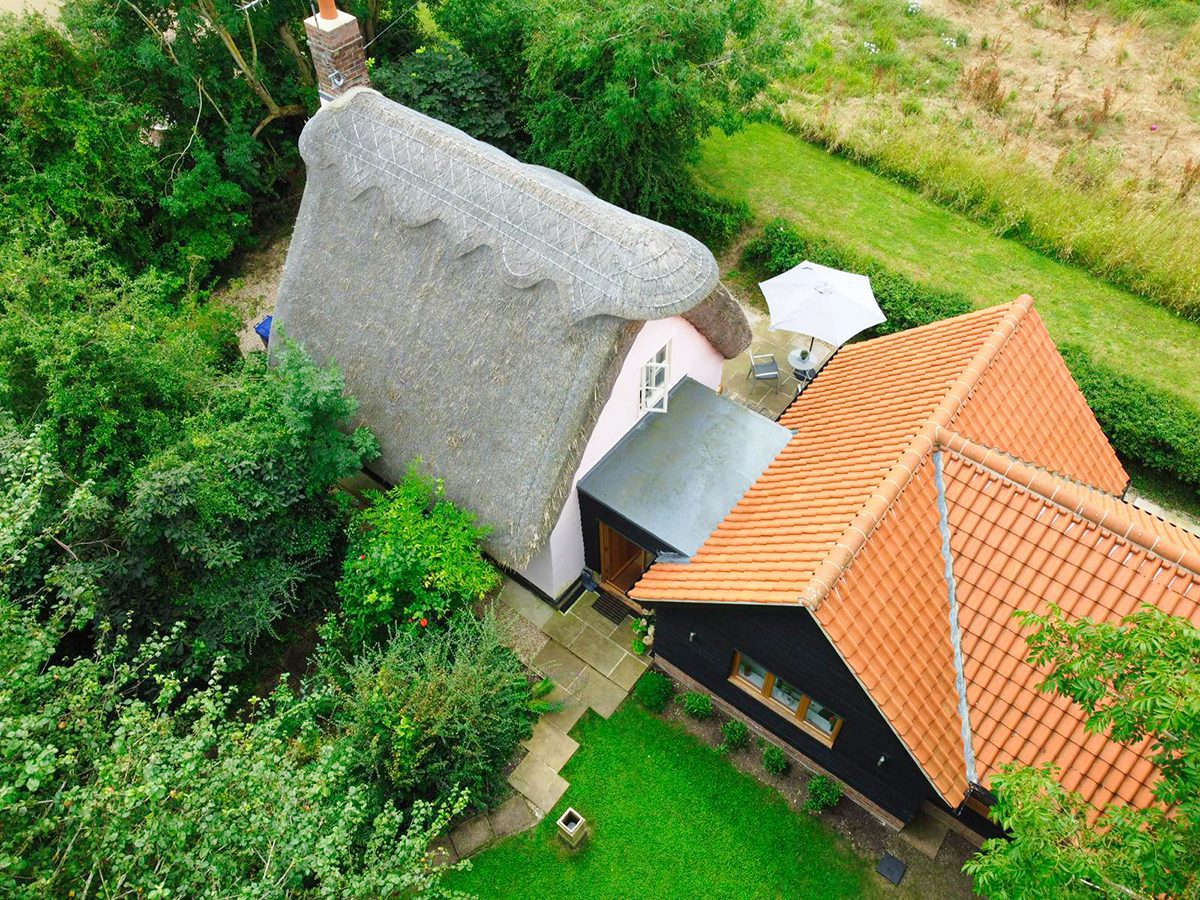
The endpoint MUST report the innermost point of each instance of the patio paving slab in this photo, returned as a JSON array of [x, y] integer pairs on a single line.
[[597, 650], [540, 784], [599, 693], [628, 671], [603, 626], [511, 816], [925, 833], [551, 745], [623, 634], [524, 602], [563, 628], [472, 834], [559, 664]]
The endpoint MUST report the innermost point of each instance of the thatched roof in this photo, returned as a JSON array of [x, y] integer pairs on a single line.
[[480, 308]]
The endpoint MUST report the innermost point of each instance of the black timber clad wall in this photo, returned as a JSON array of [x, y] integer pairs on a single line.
[[790, 644], [592, 512]]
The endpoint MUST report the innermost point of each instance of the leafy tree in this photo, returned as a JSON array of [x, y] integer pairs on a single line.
[[414, 560], [209, 478], [1135, 679], [68, 152], [223, 525], [443, 82], [430, 713], [112, 785], [619, 94]]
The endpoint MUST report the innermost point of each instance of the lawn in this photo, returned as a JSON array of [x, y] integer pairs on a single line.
[[779, 174], [672, 818]]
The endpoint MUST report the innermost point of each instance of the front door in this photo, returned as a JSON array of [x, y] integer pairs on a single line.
[[622, 563]]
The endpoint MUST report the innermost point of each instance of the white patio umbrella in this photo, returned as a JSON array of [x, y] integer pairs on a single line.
[[821, 302]]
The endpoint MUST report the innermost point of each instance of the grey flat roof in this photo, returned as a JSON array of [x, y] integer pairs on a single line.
[[678, 474]]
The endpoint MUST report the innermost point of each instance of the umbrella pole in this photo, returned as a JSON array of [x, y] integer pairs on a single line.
[[811, 340]]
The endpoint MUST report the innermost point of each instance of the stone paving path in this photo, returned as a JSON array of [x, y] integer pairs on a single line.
[[765, 397], [590, 661]]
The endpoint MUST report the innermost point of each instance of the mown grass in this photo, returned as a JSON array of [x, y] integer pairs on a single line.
[[671, 818], [1147, 249], [779, 174]]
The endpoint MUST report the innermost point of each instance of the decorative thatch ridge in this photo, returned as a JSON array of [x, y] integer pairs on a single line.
[[480, 308]]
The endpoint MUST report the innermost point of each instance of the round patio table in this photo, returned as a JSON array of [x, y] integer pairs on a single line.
[[803, 369]]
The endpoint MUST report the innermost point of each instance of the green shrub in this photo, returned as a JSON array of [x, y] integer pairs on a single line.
[[432, 716], [735, 736], [823, 793], [1144, 423], [654, 691], [414, 559], [775, 760], [906, 303], [706, 217], [697, 705], [443, 82]]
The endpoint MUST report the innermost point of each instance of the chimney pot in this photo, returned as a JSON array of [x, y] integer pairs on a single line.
[[338, 54]]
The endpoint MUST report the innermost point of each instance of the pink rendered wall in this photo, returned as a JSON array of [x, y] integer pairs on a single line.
[[561, 560]]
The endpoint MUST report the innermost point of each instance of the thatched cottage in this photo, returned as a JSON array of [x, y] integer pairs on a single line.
[[497, 321]]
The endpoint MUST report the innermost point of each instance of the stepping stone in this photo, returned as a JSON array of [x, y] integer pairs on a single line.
[[511, 816], [599, 693], [472, 834], [596, 649], [572, 709], [628, 671], [526, 603], [559, 663], [441, 852], [550, 745], [925, 833], [540, 784]]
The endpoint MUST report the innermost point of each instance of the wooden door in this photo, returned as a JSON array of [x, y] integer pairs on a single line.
[[622, 562]]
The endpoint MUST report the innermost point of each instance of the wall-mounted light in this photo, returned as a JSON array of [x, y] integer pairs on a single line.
[[691, 636], [882, 760]]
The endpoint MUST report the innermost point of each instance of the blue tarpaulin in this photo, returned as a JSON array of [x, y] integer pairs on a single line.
[[263, 330]]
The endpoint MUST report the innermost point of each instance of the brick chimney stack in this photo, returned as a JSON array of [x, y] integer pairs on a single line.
[[337, 51]]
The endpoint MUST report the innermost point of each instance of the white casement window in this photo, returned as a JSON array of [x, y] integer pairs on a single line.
[[656, 376]]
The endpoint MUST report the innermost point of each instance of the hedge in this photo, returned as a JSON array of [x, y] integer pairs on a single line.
[[1145, 424], [905, 302]]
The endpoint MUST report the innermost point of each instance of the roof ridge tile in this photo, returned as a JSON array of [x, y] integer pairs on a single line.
[[1073, 497], [856, 534]]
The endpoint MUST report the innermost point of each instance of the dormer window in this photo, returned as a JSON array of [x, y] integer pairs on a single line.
[[656, 376]]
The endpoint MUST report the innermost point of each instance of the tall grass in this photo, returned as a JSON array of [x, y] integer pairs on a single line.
[[1149, 249]]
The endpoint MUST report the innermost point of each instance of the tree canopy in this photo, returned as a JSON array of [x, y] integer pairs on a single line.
[[1135, 679]]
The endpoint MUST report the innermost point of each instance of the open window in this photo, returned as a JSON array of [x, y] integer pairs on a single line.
[[815, 718], [655, 382]]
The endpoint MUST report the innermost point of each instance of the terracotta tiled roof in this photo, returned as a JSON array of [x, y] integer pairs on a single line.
[[1020, 541], [850, 521]]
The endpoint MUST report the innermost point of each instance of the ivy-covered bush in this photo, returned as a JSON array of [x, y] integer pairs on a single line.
[[823, 793], [414, 560], [698, 705], [775, 760], [443, 82], [109, 777], [906, 303], [430, 715], [734, 736], [211, 476], [654, 691]]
